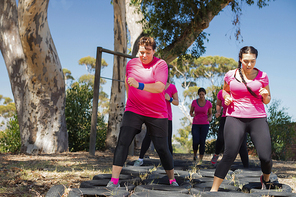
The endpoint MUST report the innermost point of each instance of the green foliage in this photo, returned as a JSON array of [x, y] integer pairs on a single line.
[[214, 124], [90, 63], [210, 146], [282, 131], [10, 138], [7, 109], [78, 118], [185, 140], [212, 68], [174, 23], [67, 74]]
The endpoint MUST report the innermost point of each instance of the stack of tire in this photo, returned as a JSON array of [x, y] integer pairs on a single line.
[[151, 181]]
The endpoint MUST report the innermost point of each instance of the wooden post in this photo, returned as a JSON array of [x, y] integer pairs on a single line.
[[93, 131]]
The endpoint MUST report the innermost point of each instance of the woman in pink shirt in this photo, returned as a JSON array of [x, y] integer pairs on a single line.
[[201, 111], [171, 97], [245, 91], [243, 151], [145, 80]]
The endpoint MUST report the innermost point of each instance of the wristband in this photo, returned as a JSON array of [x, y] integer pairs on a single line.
[[141, 86], [171, 99]]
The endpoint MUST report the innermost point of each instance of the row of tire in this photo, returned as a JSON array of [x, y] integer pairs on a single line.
[[154, 183]]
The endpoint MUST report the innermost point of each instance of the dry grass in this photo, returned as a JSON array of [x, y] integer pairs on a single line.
[[27, 175]]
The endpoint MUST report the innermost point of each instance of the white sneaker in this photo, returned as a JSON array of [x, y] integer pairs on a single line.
[[138, 163]]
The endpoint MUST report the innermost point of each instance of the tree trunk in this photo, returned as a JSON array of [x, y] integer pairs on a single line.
[[136, 32], [135, 29], [13, 56], [39, 91], [117, 100]]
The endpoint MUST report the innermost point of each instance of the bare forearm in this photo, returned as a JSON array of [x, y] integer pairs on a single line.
[[157, 87], [266, 99]]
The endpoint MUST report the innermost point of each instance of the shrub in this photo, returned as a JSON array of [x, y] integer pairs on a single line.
[[10, 138], [282, 131], [78, 113], [210, 146]]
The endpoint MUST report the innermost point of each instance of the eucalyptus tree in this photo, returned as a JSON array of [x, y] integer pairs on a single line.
[[7, 108], [117, 97], [35, 75], [179, 25]]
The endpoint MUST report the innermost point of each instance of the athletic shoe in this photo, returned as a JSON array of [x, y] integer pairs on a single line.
[[194, 158], [111, 184], [138, 163], [174, 184], [214, 160], [266, 185]]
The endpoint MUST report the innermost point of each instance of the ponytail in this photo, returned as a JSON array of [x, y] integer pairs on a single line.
[[246, 50]]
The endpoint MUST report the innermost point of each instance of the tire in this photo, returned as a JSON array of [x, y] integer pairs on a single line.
[[108, 176], [94, 183], [220, 194], [156, 193], [103, 191], [183, 165], [247, 180], [133, 181], [161, 187], [255, 187], [56, 191], [202, 180], [205, 187], [165, 181], [147, 162], [103, 182], [136, 171], [207, 172], [176, 172], [272, 193]]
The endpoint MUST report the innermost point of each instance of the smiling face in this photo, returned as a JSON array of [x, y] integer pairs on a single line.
[[146, 54], [248, 61]]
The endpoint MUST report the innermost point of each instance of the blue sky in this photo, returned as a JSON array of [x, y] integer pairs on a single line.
[[78, 27]]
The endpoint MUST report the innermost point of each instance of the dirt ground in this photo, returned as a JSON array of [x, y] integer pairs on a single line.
[[27, 175]]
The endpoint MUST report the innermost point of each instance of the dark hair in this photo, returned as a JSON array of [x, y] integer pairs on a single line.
[[201, 90], [246, 50], [147, 41]]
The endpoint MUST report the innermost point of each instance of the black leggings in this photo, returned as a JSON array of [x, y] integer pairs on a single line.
[[147, 141], [199, 135], [155, 126], [243, 151], [234, 133]]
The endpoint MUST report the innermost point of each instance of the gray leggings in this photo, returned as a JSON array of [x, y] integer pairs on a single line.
[[234, 133]]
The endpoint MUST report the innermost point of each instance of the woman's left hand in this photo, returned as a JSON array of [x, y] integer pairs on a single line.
[[209, 119], [167, 96], [132, 82]]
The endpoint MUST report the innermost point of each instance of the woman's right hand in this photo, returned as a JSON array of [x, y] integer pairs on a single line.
[[228, 100]]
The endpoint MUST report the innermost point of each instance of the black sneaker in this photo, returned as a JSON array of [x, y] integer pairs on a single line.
[[266, 184]]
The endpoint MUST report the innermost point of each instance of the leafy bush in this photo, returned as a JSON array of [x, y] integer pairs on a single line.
[[78, 118], [10, 138], [210, 146], [282, 131]]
